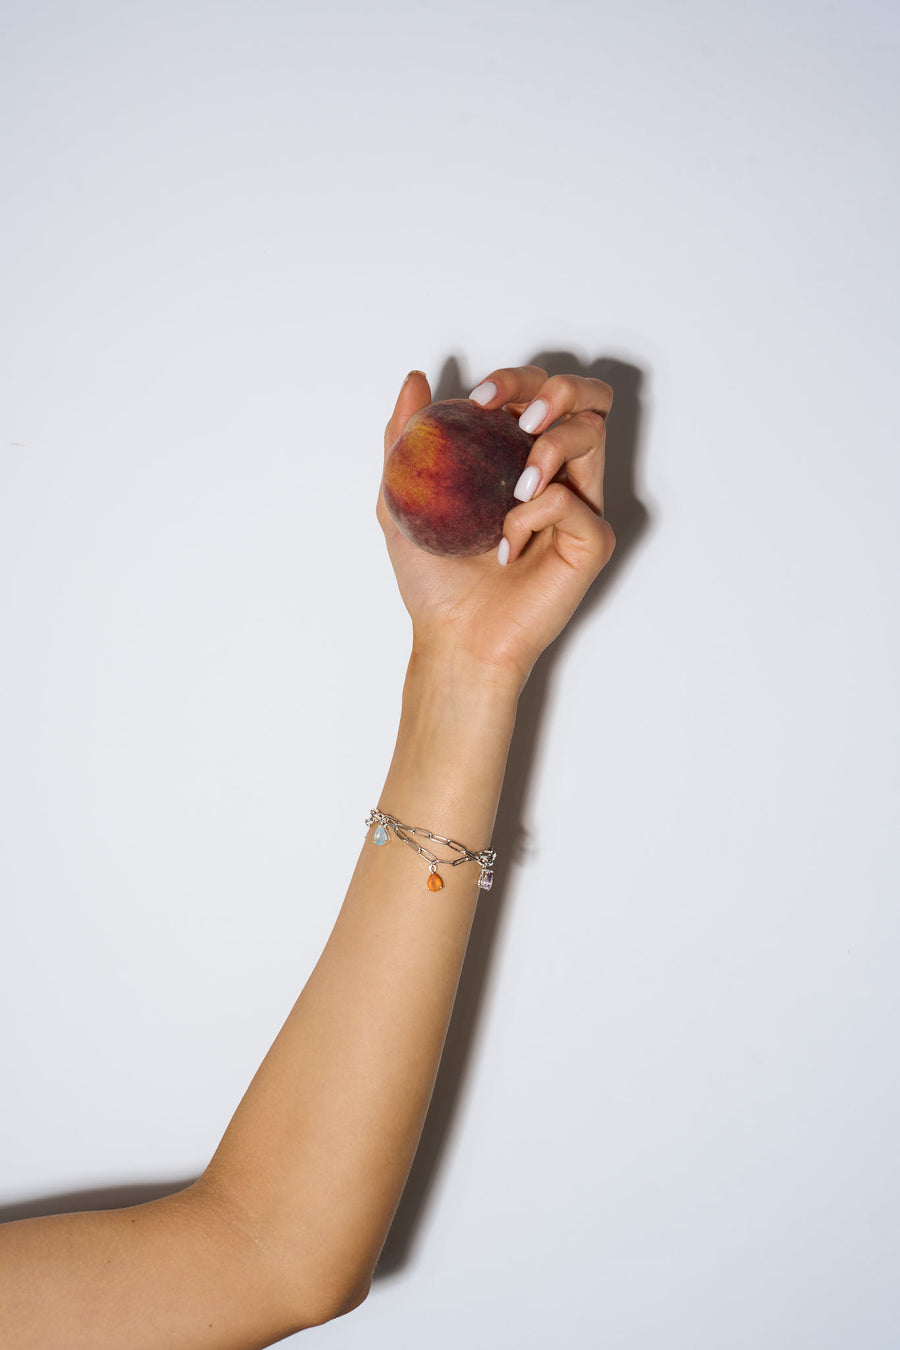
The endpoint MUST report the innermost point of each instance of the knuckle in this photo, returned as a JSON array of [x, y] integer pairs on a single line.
[[563, 388], [514, 525], [595, 545], [556, 498], [537, 370], [597, 421], [606, 391], [521, 521], [551, 447], [503, 378], [606, 541]]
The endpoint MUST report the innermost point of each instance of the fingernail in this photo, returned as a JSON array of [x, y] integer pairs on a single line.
[[534, 415], [503, 551], [484, 392], [528, 481], [412, 373]]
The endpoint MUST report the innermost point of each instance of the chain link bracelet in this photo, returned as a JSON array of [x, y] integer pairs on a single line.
[[485, 859]]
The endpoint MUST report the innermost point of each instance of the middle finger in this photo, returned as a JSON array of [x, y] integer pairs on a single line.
[[578, 447]]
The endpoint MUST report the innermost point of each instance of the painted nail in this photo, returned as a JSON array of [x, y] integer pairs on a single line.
[[503, 551], [533, 415], [484, 392], [528, 481]]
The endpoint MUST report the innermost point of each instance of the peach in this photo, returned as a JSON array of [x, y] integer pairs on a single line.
[[449, 477]]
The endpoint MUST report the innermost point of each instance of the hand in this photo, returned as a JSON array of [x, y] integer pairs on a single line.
[[502, 616]]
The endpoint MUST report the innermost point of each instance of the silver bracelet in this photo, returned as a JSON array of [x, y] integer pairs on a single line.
[[485, 859]]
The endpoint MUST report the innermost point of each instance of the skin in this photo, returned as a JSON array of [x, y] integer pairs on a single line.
[[284, 1228]]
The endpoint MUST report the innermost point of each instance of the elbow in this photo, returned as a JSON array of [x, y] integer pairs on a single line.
[[328, 1300], [356, 1295], [352, 1297], [294, 1283]]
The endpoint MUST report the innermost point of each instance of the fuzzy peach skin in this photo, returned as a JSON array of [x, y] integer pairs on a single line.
[[449, 477]]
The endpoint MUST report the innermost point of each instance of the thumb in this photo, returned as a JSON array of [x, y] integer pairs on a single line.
[[415, 394]]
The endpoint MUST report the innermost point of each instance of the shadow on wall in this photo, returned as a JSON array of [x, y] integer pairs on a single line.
[[629, 519]]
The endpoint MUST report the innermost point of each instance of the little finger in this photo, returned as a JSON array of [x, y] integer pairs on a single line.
[[581, 538]]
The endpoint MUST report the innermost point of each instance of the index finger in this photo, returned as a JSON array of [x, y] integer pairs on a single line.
[[511, 384], [543, 399]]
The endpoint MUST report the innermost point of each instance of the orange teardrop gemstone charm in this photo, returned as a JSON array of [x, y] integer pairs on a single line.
[[435, 883]]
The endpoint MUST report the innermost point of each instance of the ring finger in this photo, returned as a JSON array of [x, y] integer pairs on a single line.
[[577, 446]]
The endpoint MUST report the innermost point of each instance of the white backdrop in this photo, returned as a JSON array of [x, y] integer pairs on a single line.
[[669, 1109]]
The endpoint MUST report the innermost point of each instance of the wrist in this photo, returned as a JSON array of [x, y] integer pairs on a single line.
[[456, 723], [446, 672], [455, 708]]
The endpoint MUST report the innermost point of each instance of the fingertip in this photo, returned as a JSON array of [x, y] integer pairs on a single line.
[[414, 395], [484, 393], [527, 484], [412, 380], [534, 416]]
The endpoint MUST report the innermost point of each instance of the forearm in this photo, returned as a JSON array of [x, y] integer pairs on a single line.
[[320, 1147], [285, 1226]]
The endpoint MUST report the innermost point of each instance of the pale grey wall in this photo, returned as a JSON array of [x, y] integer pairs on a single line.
[[229, 230]]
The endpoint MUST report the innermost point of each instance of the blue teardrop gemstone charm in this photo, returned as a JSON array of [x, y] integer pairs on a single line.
[[381, 835]]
